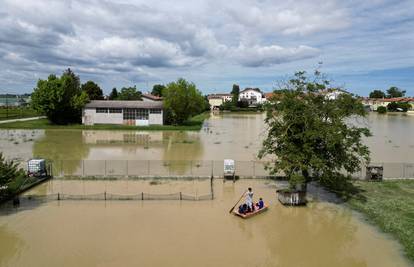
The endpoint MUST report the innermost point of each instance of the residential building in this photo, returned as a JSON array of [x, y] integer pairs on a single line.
[[150, 97], [216, 100], [252, 96], [374, 103], [139, 113]]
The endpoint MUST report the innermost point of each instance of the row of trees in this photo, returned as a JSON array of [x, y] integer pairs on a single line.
[[390, 93], [62, 98]]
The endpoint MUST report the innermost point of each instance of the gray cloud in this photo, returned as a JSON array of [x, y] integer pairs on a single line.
[[139, 41]]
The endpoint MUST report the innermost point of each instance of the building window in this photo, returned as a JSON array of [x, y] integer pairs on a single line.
[[135, 114], [129, 114], [115, 110], [155, 111], [101, 110], [142, 114]]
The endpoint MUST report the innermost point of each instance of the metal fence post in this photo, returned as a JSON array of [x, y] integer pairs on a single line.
[[126, 168], [181, 196], [105, 169]]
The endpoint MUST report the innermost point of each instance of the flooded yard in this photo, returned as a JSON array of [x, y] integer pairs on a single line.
[[186, 233], [236, 136]]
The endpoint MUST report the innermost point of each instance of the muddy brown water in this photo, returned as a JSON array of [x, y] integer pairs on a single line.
[[186, 233], [236, 136]]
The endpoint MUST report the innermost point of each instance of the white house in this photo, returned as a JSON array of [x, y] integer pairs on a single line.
[[139, 113], [252, 96]]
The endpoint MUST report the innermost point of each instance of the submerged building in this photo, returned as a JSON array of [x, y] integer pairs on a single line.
[[138, 113]]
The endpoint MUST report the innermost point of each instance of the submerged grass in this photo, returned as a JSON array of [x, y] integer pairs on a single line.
[[390, 205], [193, 124]]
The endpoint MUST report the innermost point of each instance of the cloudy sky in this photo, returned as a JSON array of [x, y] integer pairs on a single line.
[[362, 44]]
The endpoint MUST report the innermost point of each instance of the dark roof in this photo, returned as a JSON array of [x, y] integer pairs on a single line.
[[152, 97], [217, 96], [123, 104]]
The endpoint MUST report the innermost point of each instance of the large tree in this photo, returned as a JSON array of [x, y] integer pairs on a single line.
[[377, 94], [114, 94], [235, 92], [395, 92], [182, 100], [129, 93], [60, 98], [93, 90], [157, 89], [310, 136]]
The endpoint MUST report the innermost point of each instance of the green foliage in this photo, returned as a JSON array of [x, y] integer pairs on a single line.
[[9, 172], [129, 93], [389, 204], [395, 92], [60, 98], [93, 90], [181, 101], [308, 133], [235, 91], [382, 110], [377, 94], [114, 94], [157, 89], [398, 106]]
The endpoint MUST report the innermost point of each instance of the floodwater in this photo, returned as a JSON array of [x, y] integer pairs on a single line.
[[186, 233], [235, 136]]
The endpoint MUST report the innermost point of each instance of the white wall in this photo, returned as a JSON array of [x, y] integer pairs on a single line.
[[90, 117], [156, 118]]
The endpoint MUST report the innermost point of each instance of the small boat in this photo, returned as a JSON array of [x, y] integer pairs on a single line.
[[250, 214]]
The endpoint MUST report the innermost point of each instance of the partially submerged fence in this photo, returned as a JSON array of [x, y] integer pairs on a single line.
[[191, 168], [109, 197]]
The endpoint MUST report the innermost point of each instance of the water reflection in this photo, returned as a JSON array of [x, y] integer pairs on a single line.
[[65, 148]]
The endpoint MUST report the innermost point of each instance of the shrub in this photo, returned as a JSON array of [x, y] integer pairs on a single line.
[[382, 110]]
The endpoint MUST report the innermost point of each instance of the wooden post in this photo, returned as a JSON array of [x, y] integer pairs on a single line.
[[181, 196], [142, 195], [105, 195]]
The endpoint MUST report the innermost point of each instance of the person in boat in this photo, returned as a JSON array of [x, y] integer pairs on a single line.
[[249, 199], [243, 208], [260, 204]]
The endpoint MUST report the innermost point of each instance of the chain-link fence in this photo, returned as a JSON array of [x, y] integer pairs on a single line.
[[192, 168], [109, 197]]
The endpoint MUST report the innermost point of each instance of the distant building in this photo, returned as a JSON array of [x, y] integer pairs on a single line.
[[150, 97], [333, 94], [138, 113], [374, 103], [252, 96], [216, 100]]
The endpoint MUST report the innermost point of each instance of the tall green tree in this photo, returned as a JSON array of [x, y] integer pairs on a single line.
[[395, 92], [235, 92], [114, 94], [182, 100], [93, 90], [309, 137], [129, 93], [157, 89], [60, 98], [377, 94]]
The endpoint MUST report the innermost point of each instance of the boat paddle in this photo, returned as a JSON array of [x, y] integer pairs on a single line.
[[237, 202]]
